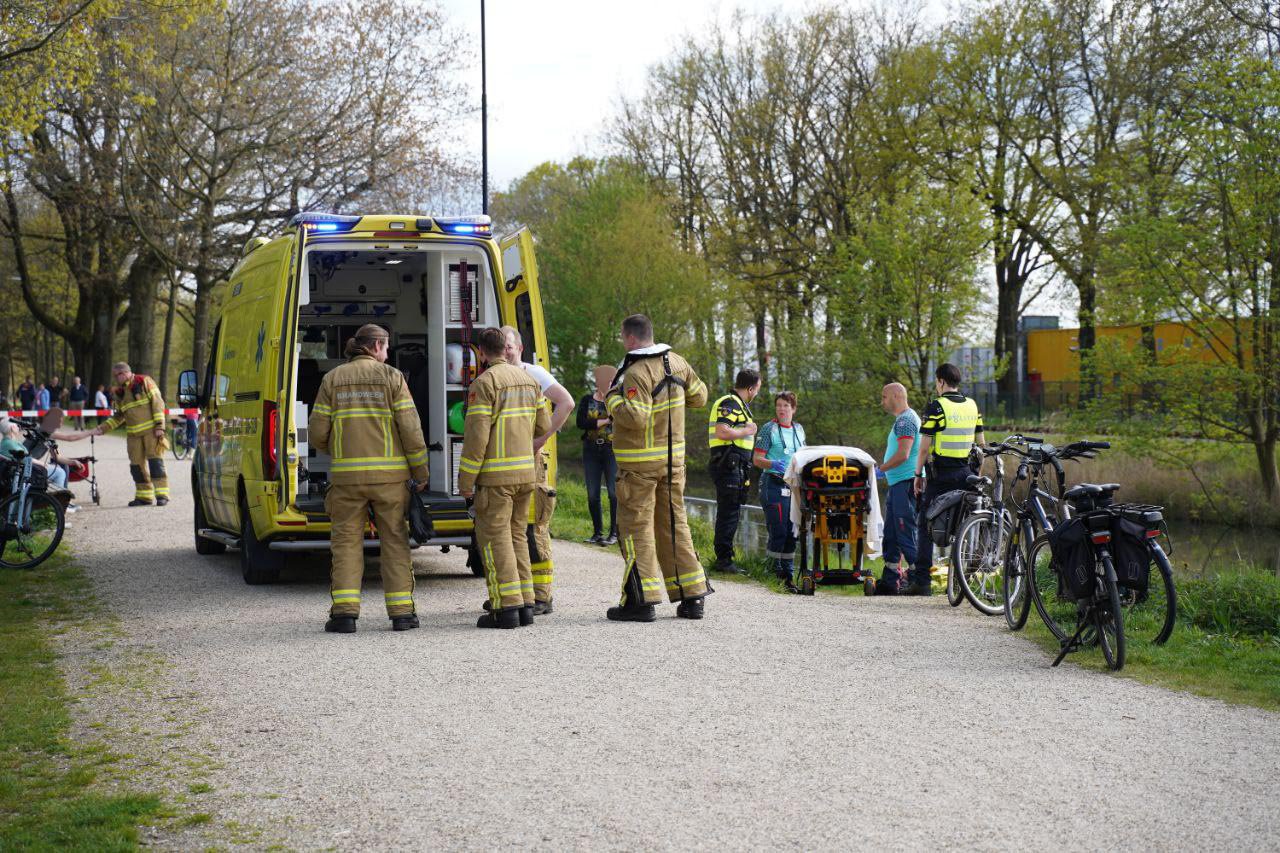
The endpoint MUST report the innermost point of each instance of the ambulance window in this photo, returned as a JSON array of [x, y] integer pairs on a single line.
[[207, 393], [524, 322]]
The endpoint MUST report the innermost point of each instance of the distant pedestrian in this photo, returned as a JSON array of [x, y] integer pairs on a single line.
[[27, 394], [101, 400], [55, 392], [776, 442], [77, 399], [42, 397], [598, 462], [901, 449]]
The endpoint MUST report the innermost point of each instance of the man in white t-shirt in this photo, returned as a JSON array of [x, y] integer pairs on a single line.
[[544, 498]]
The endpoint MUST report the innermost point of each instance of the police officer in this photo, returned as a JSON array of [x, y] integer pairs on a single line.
[[731, 435], [365, 419], [544, 497], [505, 413], [951, 426], [139, 406], [647, 402]]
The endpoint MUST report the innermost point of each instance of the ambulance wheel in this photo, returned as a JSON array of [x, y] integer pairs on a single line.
[[204, 546], [258, 563]]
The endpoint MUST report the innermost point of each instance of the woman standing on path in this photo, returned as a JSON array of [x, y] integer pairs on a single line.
[[776, 442], [597, 455]]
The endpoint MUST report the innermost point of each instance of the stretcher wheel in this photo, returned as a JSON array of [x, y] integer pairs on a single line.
[[807, 586], [868, 584]]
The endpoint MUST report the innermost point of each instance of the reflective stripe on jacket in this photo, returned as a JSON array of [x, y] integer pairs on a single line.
[[640, 421], [730, 410], [505, 413], [956, 437], [138, 406], [365, 419]]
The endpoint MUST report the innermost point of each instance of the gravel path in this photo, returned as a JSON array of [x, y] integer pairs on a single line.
[[777, 721]]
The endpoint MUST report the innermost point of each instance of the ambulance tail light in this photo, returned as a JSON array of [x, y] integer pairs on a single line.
[[270, 440]]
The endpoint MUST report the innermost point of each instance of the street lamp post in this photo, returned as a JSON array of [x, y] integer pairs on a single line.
[[484, 122]]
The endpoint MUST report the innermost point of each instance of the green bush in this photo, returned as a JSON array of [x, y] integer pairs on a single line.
[[1245, 603]]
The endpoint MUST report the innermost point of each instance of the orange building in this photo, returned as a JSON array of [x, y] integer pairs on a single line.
[[1053, 355]]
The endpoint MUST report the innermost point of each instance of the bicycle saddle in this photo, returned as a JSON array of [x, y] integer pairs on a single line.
[[1089, 490], [977, 480]]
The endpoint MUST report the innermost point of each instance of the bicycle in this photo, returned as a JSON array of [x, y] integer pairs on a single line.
[[974, 571], [1148, 604], [31, 520], [1031, 513]]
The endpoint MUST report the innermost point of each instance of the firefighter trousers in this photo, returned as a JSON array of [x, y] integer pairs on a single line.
[[654, 557], [146, 466], [539, 534], [348, 506], [502, 516]]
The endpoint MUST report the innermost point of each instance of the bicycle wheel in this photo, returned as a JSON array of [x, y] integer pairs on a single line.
[[1013, 584], [1154, 610], [955, 594], [978, 566], [31, 529], [178, 443], [1110, 620], [1058, 611]]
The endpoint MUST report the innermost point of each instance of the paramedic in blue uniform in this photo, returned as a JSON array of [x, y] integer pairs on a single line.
[[776, 442], [951, 426], [897, 469], [731, 434]]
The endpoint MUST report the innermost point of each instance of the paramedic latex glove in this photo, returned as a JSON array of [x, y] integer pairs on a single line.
[[881, 475], [779, 467]]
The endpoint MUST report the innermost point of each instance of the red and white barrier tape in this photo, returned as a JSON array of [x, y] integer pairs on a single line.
[[90, 413]]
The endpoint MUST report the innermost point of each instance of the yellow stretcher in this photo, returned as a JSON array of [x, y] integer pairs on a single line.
[[834, 495]]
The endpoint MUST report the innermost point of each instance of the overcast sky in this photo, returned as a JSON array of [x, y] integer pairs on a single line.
[[558, 67]]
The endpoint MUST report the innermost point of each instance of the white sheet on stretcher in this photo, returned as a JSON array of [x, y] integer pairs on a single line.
[[805, 455]]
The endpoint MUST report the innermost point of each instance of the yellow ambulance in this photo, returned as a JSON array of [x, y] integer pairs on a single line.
[[291, 305]]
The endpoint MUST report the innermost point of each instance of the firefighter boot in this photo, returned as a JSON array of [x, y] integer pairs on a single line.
[[542, 608], [526, 615], [404, 623], [631, 613], [508, 617], [690, 608], [341, 625]]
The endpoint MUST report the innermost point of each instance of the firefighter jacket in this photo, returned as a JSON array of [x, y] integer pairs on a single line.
[[365, 419], [642, 403], [138, 406], [505, 413]]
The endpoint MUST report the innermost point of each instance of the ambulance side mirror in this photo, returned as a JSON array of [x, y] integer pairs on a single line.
[[188, 390]]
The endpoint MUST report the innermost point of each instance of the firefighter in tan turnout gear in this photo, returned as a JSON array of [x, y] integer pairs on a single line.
[[140, 408], [504, 415], [647, 403], [365, 419]]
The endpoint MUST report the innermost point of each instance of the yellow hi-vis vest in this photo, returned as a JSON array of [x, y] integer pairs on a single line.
[[956, 438], [740, 418]]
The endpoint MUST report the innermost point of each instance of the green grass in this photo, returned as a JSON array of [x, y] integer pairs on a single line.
[[1226, 644], [47, 795]]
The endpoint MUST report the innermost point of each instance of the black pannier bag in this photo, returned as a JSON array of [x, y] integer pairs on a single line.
[[39, 478], [1073, 554], [1130, 555], [943, 515]]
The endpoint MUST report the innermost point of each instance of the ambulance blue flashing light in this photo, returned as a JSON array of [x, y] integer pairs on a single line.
[[327, 223], [477, 225]]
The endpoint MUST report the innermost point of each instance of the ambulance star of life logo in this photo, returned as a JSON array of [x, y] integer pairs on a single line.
[[631, 393], [262, 337]]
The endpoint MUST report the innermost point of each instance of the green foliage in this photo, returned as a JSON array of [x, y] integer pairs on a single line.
[[1244, 603], [605, 250], [47, 801]]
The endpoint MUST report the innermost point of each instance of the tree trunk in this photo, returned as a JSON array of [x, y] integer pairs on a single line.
[[1009, 284], [166, 349], [140, 286], [201, 332], [1265, 448], [762, 347]]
